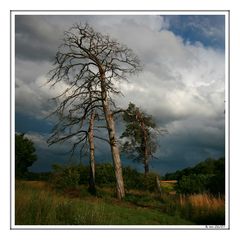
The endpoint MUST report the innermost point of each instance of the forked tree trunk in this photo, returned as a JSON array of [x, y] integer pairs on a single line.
[[92, 164], [112, 138]]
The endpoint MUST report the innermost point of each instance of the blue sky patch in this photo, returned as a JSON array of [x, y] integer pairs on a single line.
[[206, 29]]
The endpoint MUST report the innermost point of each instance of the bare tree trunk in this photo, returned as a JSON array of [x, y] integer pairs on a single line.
[[112, 138], [145, 161], [146, 166], [144, 143], [92, 187]]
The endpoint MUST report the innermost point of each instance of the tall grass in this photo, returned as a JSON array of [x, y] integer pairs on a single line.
[[202, 209], [37, 204]]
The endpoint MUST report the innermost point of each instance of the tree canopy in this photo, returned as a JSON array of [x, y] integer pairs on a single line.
[[140, 135], [25, 154]]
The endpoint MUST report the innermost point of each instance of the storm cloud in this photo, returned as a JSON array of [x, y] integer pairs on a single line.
[[182, 85]]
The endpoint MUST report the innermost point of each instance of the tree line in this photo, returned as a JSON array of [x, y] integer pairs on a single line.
[[70, 176], [206, 176]]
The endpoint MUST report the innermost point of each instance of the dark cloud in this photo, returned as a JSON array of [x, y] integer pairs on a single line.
[[36, 38], [26, 123], [182, 85], [190, 141]]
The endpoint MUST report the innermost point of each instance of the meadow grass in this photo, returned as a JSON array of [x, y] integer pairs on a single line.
[[202, 209], [37, 204]]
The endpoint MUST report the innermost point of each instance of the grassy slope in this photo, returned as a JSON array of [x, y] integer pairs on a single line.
[[37, 204]]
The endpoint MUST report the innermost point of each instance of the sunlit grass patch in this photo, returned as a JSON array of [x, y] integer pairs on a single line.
[[203, 208]]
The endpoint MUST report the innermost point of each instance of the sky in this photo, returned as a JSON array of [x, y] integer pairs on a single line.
[[182, 84]]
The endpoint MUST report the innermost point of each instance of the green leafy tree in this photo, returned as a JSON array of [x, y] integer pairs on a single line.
[[140, 135], [25, 155]]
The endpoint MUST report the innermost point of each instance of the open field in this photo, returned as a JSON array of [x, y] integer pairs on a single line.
[[168, 186], [38, 204]]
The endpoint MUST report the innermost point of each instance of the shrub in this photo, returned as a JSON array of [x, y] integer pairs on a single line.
[[105, 174], [84, 173], [194, 183], [216, 184], [149, 182], [41, 176], [132, 178], [65, 177], [135, 180]]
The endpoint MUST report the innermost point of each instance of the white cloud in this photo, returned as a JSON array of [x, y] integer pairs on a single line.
[[178, 79], [190, 81], [32, 93], [182, 85]]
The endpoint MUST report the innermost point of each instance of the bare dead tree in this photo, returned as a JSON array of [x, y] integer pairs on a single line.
[[88, 58], [76, 114]]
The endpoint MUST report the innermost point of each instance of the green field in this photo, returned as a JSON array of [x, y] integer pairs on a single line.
[[38, 204]]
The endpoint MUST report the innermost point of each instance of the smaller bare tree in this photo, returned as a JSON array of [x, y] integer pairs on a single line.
[[76, 114]]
